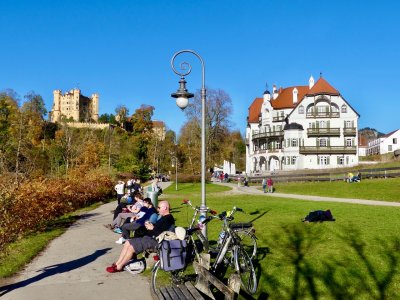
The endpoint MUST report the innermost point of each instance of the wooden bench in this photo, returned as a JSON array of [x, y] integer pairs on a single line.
[[179, 292]]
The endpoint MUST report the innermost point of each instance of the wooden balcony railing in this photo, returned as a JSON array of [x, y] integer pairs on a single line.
[[323, 114], [349, 131], [267, 134], [278, 119], [328, 150], [323, 132]]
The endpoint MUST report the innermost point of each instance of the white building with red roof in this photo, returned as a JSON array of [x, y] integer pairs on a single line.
[[385, 144], [301, 127]]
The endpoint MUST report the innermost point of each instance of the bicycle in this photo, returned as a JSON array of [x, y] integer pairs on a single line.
[[233, 254], [245, 232]]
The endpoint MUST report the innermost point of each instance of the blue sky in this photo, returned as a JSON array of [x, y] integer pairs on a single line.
[[122, 50]]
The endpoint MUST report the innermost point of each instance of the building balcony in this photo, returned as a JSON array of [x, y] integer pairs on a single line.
[[278, 119], [323, 114], [265, 151], [349, 131], [328, 150], [323, 132], [267, 134]]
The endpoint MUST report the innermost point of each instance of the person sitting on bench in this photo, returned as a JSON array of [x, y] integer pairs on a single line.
[[138, 245]]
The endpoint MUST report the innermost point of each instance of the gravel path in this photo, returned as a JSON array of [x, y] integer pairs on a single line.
[[254, 191]]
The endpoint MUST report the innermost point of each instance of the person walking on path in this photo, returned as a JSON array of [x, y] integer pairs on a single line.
[[264, 185], [270, 185]]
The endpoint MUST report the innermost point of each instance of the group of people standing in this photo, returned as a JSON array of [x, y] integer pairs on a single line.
[[267, 183]]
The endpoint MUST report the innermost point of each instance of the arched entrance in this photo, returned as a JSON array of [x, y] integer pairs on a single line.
[[274, 163]]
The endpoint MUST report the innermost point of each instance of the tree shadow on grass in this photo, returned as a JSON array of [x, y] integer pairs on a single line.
[[356, 272], [55, 269]]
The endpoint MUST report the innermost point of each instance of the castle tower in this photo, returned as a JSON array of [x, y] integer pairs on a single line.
[[55, 115], [95, 107]]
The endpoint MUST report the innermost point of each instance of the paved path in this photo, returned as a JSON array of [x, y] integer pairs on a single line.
[[253, 190], [73, 266]]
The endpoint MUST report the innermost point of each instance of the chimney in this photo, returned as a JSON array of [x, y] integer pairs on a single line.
[[274, 92], [295, 92], [311, 82]]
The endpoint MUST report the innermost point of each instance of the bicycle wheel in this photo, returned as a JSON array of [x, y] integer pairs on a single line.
[[161, 279], [248, 241], [246, 271]]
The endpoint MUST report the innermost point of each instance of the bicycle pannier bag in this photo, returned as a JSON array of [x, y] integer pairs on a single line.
[[172, 254]]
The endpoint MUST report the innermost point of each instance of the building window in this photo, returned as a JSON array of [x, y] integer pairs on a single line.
[[294, 158], [341, 160], [323, 142], [395, 141], [349, 142], [301, 109], [347, 124], [324, 160], [344, 108], [278, 145], [389, 148], [294, 143]]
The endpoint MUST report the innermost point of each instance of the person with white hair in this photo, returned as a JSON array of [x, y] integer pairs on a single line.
[[138, 245]]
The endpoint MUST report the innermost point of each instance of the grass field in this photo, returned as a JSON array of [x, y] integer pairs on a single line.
[[371, 189], [355, 257]]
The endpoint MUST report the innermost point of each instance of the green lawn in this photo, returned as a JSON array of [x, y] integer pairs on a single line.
[[372, 189], [355, 257]]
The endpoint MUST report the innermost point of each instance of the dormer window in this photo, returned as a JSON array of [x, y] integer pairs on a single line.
[[301, 109], [344, 108]]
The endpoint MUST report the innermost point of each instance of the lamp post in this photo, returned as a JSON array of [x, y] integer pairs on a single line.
[[182, 99]]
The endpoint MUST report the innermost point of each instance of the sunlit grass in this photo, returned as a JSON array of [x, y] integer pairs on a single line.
[[278, 228], [372, 189]]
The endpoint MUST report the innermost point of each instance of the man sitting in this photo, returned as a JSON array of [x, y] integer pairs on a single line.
[[133, 223], [138, 245]]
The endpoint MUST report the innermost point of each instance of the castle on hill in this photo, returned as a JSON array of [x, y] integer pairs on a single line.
[[74, 106]]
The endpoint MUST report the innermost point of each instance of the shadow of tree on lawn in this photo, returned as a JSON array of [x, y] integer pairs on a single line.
[[359, 272]]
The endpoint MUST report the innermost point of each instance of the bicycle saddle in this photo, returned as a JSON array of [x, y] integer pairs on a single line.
[[240, 225]]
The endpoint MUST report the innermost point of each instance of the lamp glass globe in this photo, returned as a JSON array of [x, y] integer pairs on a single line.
[[182, 102]]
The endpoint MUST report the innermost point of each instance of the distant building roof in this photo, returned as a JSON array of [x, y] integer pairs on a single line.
[[285, 97]]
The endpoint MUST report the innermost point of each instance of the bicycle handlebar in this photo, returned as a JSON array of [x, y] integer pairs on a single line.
[[197, 208]]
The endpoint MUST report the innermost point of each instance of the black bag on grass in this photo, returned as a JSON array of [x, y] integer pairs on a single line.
[[319, 216]]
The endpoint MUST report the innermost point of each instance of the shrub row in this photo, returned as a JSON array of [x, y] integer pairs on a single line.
[[29, 207]]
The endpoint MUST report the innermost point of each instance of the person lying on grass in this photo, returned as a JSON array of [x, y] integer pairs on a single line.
[[138, 245]]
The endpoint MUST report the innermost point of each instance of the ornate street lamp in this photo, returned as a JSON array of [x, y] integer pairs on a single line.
[[182, 99]]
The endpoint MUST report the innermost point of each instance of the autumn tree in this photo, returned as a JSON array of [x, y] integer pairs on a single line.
[[218, 111]]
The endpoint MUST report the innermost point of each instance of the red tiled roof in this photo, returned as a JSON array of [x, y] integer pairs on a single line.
[[390, 133], [322, 87], [285, 97], [255, 110]]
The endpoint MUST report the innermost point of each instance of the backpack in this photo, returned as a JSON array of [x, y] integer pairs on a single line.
[[319, 216], [172, 254], [135, 266]]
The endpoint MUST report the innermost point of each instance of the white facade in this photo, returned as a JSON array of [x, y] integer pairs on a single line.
[[303, 127], [386, 144]]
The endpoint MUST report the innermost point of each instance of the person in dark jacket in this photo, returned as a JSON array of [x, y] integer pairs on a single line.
[[138, 245]]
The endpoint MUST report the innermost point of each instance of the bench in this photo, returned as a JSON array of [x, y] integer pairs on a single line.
[[179, 292]]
